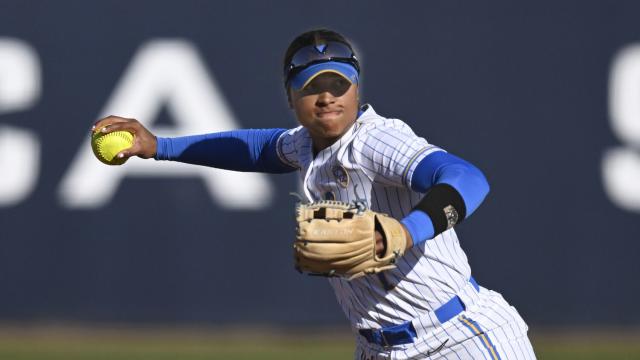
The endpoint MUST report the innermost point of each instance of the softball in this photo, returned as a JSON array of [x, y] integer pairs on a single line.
[[107, 146]]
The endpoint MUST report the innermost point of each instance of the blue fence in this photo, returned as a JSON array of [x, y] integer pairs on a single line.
[[543, 97]]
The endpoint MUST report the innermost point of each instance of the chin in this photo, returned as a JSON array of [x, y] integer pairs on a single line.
[[337, 134], [331, 135]]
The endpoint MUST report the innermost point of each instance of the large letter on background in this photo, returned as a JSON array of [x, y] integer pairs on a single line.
[[164, 72], [20, 88], [621, 165]]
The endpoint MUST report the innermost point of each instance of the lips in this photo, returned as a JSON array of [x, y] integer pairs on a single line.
[[328, 114]]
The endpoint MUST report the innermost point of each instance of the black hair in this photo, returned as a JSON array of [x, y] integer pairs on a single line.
[[312, 37]]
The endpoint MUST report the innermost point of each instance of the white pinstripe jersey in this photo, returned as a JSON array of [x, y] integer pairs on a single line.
[[374, 161]]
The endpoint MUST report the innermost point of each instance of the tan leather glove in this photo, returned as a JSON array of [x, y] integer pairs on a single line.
[[338, 239]]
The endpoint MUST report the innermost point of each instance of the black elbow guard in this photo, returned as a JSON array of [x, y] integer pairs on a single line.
[[444, 205]]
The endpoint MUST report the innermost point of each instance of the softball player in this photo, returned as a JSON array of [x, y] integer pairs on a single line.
[[429, 306]]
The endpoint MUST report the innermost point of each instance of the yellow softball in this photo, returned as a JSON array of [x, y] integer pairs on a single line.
[[107, 146]]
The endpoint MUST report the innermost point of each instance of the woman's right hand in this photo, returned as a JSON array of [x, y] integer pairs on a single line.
[[144, 142]]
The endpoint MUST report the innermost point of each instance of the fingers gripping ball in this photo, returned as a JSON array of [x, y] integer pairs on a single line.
[[338, 239], [107, 146]]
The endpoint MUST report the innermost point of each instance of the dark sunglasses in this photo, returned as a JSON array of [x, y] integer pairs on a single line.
[[319, 53]]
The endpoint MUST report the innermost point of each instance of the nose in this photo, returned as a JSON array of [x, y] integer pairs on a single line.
[[325, 98]]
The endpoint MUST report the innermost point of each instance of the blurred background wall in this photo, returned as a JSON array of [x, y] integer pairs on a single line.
[[543, 96]]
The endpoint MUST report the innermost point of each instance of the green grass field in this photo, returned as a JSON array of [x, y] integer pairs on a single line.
[[64, 343]]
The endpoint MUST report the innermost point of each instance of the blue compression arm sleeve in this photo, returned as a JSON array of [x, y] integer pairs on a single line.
[[239, 150], [443, 168]]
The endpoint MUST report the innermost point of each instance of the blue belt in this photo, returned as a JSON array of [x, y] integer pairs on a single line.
[[405, 332]]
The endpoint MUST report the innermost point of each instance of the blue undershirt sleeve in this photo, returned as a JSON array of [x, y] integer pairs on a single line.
[[443, 168], [246, 150]]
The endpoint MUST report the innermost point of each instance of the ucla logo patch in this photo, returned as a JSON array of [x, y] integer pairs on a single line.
[[341, 175]]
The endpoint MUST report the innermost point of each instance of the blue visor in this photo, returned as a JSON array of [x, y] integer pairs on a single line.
[[304, 77]]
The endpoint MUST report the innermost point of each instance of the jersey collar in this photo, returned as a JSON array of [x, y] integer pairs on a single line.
[[365, 113]]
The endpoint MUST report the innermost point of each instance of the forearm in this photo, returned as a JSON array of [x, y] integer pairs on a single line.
[[454, 190], [239, 150]]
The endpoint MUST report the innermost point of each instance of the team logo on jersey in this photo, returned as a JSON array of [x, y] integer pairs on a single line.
[[341, 175]]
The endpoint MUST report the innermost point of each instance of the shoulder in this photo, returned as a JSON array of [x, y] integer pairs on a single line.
[[294, 135], [388, 148], [375, 127], [290, 143]]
